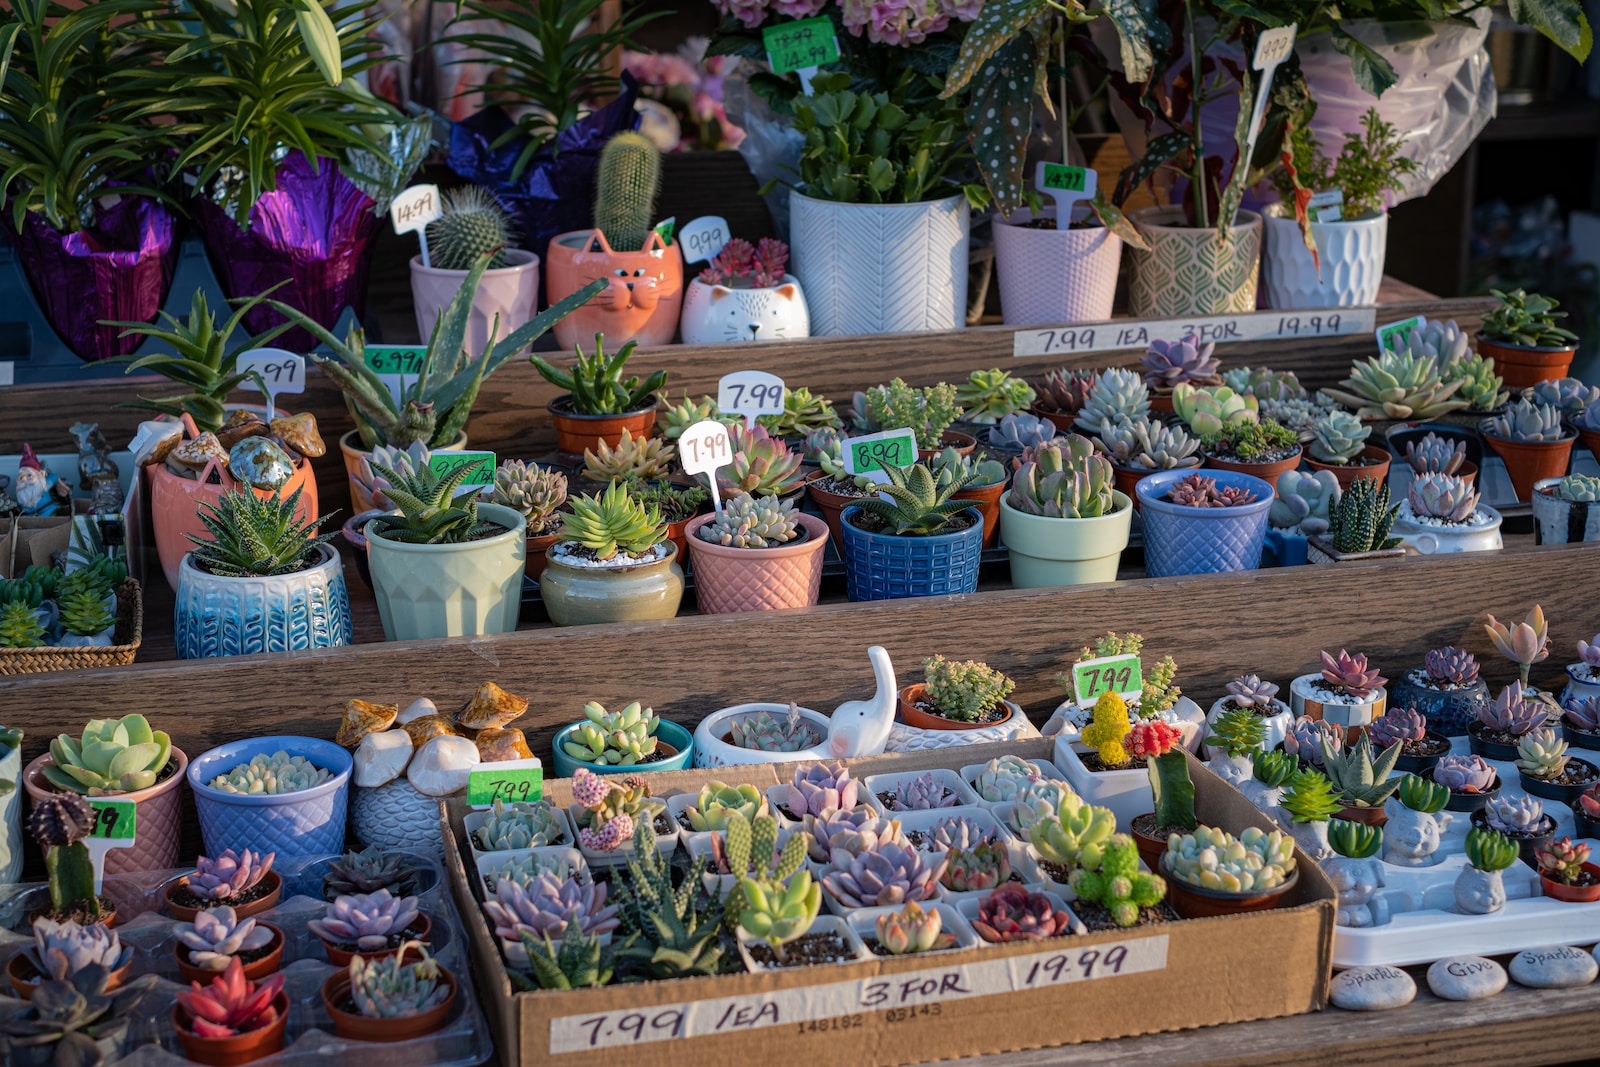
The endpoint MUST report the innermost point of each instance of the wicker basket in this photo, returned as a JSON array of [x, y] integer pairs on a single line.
[[126, 638]]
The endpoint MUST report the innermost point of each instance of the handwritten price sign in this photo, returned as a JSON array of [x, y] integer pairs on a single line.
[[413, 209], [870, 454], [393, 364], [1394, 336], [704, 447], [1093, 678], [801, 44], [1066, 185], [518, 781], [279, 371], [114, 820], [750, 393], [703, 238], [481, 464]]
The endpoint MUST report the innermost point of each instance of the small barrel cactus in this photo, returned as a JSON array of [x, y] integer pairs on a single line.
[[471, 223], [273, 775], [1109, 727], [750, 521], [912, 929], [1214, 859]]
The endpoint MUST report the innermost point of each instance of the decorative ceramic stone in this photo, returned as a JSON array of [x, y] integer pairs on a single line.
[[415, 710], [1555, 967], [1466, 978], [428, 727], [489, 707], [299, 432], [197, 453], [154, 439], [1480, 892], [1357, 882], [381, 758], [1410, 838], [361, 718], [260, 463], [1372, 989], [441, 766], [241, 424], [499, 743]]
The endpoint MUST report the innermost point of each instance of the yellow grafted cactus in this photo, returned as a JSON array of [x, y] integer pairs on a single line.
[[1110, 726]]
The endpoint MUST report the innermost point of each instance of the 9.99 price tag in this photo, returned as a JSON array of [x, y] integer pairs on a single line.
[[518, 781], [868, 455]]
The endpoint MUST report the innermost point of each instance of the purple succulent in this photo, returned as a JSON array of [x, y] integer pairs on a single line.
[[1589, 651], [958, 833], [1350, 674], [842, 834], [217, 935], [1464, 774], [366, 920], [1513, 712], [1397, 726], [1445, 497], [546, 905], [229, 875], [62, 949], [1249, 691], [890, 874], [818, 787], [1584, 715], [1520, 814], [1451, 666], [924, 793], [1305, 735], [1168, 363]]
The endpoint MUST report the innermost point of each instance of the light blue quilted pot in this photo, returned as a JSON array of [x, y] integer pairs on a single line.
[[1179, 539], [217, 616], [305, 823]]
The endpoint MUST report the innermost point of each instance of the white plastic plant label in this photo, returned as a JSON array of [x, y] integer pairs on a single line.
[[413, 209], [1067, 185], [704, 447], [115, 824], [1272, 48], [750, 393], [1326, 206], [279, 371], [703, 238]]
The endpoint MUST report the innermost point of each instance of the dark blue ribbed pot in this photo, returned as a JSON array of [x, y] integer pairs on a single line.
[[886, 567], [1448, 710], [1179, 539]]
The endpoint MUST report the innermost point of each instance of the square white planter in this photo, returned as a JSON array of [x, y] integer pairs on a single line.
[[823, 923], [1276, 725], [864, 924], [1069, 720], [888, 783], [490, 862], [473, 820], [1126, 793], [1022, 863], [969, 912], [972, 771], [925, 821], [619, 856], [778, 800]]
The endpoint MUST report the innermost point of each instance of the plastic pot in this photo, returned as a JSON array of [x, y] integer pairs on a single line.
[[1523, 367], [340, 956], [1470, 802], [1192, 902], [729, 579], [987, 498], [360, 1028], [1184, 540], [240, 1048], [1563, 794], [25, 977], [509, 294], [1376, 468], [308, 822], [576, 432], [881, 566], [1574, 894], [184, 913], [1529, 462], [254, 972], [155, 848], [1046, 551], [832, 505]]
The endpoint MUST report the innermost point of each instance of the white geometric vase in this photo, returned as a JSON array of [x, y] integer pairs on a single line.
[[1351, 252]]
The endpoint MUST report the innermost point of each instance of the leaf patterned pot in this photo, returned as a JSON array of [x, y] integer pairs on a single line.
[[395, 816], [642, 298], [307, 822], [219, 616], [1191, 271], [728, 579], [1351, 253], [155, 848], [509, 293], [1052, 276], [428, 591]]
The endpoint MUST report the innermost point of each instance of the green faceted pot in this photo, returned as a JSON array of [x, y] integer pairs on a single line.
[[1048, 551], [450, 590]]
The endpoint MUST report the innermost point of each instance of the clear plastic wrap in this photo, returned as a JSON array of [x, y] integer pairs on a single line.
[[771, 145]]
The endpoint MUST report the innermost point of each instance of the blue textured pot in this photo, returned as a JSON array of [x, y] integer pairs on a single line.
[[1448, 710], [217, 616], [886, 567], [309, 822], [668, 733], [1183, 540]]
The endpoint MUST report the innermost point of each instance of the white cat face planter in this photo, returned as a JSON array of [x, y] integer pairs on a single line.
[[718, 314]]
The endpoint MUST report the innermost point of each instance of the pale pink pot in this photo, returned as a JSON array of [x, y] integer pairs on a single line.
[[159, 822], [510, 292], [728, 580], [1054, 276]]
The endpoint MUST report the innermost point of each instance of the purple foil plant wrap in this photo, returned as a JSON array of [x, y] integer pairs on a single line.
[[555, 193], [316, 229], [118, 271]]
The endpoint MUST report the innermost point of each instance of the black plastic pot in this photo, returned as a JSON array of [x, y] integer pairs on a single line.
[[1526, 843], [1489, 750], [1565, 794], [1580, 738], [1423, 765], [1470, 802]]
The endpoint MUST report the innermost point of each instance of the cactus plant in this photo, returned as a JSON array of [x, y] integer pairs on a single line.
[[1465, 774], [626, 184], [1398, 385], [1116, 883], [1109, 727], [749, 847], [534, 492], [1211, 858], [59, 823], [1525, 419], [471, 223], [1168, 364], [753, 522], [1339, 438], [912, 929], [112, 756], [1157, 743], [271, 775], [1065, 479], [988, 396], [1524, 643], [1012, 913]]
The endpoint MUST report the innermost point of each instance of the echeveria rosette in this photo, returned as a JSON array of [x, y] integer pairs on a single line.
[[1451, 666], [1513, 713], [1398, 726], [1168, 363], [891, 874], [1250, 691], [1012, 913], [821, 787], [1304, 737], [1350, 674], [1464, 774], [1583, 714], [1520, 814]]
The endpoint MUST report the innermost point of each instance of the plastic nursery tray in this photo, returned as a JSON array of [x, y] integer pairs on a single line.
[[462, 1041]]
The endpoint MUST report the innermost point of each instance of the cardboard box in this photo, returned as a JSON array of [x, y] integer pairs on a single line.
[[1172, 976]]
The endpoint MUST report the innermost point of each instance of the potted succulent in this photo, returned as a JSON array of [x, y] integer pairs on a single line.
[[370, 926], [1270, 773], [1202, 524], [1232, 741], [632, 459], [1583, 677], [1565, 872], [1587, 423], [635, 738], [1533, 442], [1115, 392], [244, 881], [280, 794], [1433, 454], [1099, 766], [1521, 335], [610, 814], [473, 223], [1416, 822], [1210, 409], [1547, 770], [599, 403], [1158, 745], [1062, 394], [1520, 818], [912, 930], [985, 481], [1114, 887], [1407, 729], [263, 582], [1441, 513], [927, 412], [1300, 510], [988, 396], [538, 494], [1359, 522], [391, 997], [1480, 887], [1355, 873], [912, 540], [1470, 779], [1339, 444], [232, 1019], [957, 696], [1140, 446], [122, 758], [1211, 872], [66, 1018], [761, 464], [1308, 804], [216, 936], [779, 925], [1262, 447], [1169, 364], [1362, 778], [745, 294], [1014, 913], [612, 561], [1346, 692], [1062, 522], [1407, 385], [1524, 643], [1015, 436], [1503, 723], [1260, 698], [58, 825], [1446, 689], [545, 906], [1567, 510], [758, 555], [60, 950]]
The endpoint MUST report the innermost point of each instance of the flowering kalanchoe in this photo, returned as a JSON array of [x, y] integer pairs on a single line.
[[1398, 726], [1583, 715], [1542, 754], [1562, 861], [366, 920], [1350, 674], [1524, 643], [1520, 814], [922, 793], [958, 832], [1012, 913], [1004, 777], [1199, 491], [1464, 774], [912, 929], [1513, 713], [547, 905], [230, 875], [1249, 691], [820, 787], [1304, 737], [1451, 666], [62, 949], [217, 935], [983, 866], [890, 874]]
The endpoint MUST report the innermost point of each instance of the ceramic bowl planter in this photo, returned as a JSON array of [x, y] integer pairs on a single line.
[[576, 432], [644, 293], [1190, 270], [675, 745], [1375, 460], [1583, 682], [1351, 253], [155, 848], [1046, 551], [1530, 462], [1179, 539], [1431, 537], [1050, 276], [1563, 522], [626, 591], [713, 747], [509, 294], [1573, 894], [219, 616], [719, 314], [307, 822], [910, 714], [356, 1027], [450, 590], [1193, 902], [240, 1048], [1523, 367], [882, 566], [175, 506], [1276, 724], [881, 268], [729, 579], [1311, 694]]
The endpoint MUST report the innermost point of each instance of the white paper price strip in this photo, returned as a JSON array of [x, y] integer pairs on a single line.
[[703, 238], [1272, 48], [869, 454], [844, 1003], [279, 371], [8, 373], [702, 448], [750, 393], [411, 212], [1094, 678], [517, 781], [1394, 336], [115, 822], [1067, 185]]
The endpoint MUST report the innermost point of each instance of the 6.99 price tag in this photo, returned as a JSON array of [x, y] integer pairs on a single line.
[[518, 781], [283, 372]]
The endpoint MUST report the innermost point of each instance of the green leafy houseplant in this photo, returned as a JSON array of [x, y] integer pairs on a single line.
[[1528, 320], [1368, 166], [596, 382]]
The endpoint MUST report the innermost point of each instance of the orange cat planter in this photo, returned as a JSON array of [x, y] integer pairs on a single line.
[[641, 302]]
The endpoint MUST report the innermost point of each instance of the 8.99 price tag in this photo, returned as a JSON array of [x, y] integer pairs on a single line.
[[868, 455]]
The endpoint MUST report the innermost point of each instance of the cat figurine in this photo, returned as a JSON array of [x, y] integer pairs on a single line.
[[717, 314], [642, 297]]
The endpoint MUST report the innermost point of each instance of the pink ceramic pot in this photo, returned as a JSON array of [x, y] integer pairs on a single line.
[[757, 579], [175, 506], [155, 846], [510, 293]]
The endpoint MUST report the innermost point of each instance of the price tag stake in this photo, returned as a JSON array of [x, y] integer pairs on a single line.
[[115, 824], [444, 464], [703, 238], [1094, 678], [1394, 336], [750, 393], [518, 781], [703, 448], [801, 46], [1066, 185], [279, 371], [1272, 48], [393, 364], [411, 212], [869, 454]]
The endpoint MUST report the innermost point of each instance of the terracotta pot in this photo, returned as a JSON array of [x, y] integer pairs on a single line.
[[1125, 478], [1591, 441], [267, 900], [256, 971], [963, 443], [831, 505], [1368, 816], [341, 957], [533, 566], [175, 506], [1523, 367], [360, 1028], [1528, 462], [728, 580], [160, 812], [352, 452], [1061, 420], [987, 497], [921, 720], [1192, 902], [1377, 469], [575, 432], [240, 1048], [1151, 848], [1573, 894], [1161, 402], [644, 293], [1267, 472], [25, 976], [509, 294]]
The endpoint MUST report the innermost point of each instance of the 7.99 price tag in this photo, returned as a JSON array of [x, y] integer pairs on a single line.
[[114, 820], [750, 393], [518, 781], [1094, 678]]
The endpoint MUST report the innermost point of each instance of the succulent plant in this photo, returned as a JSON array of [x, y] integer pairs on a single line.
[[1524, 643], [1107, 729], [271, 775], [1451, 666], [803, 412], [1263, 383], [578, 962], [950, 466], [1435, 455], [1214, 859], [1012, 913], [1003, 777], [1480, 387], [1065, 390], [1360, 520], [673, 419], [1311, 797], [912, 929], [1115, 392], [927, 412], [230, 1005], [1351, 675], [471, 223], [1442, 342], [395, 987], [1421, 794], [430, 510], [611, 809], [1398, 726], [838, 836], [112, 756], [1569, 395], [1527, 420], [1579, 487], [1542, 754], [1237, 731], [368, 870], [749, 847], [762, 465], [1199, 491], [1304, 501], [1396, 385], [1249, 691], [776, 912], [1116, 883], [892, 873], [1076, 834], [717, 803], [631, 458], [1562, 861], [217, 935], [957, 832], [1354, 840], [251, 537], [1162, 447], [534, 492], [1160, 694], [613, 522], [1211, 410], [1021, 431], [1442, 496], [1273, 768], [821, 787], [1521, 814], [230, 875], [1361, 777], [1590, 419], [1169, 363], [61, 949], [541, 908], [670, 933], [1304, 737], [1339, 437], [1514, 712], [1528, 320], [984, 866], [924, 793], [989, 396], [762, 732], [1299, 416], [1038, 801], [1583, 714], [1251, 441], [1488, 850], [623, 738], [596, 383], [524, 869], [20, 626], [526, 824], [1464, 774], [366, 920], [1065, 479], [965, 691], [750, 521]]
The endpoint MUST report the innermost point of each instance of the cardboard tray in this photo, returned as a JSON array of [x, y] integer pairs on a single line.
[[1173, 976]]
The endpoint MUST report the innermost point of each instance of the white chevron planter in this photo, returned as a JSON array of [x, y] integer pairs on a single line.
[[881, 268], [1352, 255]]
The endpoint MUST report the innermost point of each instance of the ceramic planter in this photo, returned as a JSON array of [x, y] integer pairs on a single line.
[[1351, 253], [1530, 462], [718, 314], [644, 293], [1046, 551], [1583, 682], [336, 991], [1184, 540], [669, 736], [453, 590], [11, 816], [308, 822], [1267, 472], [218, 616], [1306, 697], [506, 299], [1574, 894], [1277, 724], [1320, 550], [352, 452], [1192, 902], [906, 708], [1051, 276], [1191, 271], [175, 506], [395, 815], [1444, 539], [576, 433], [987, 498], [712, 748], [253, 971], [628, 592], [881, 566], [728, 579], [272, 891], [240, 1048], [881, 268], [1523, 367], [1563, 522], [1376, 467], [155, 848], [1127, 793]]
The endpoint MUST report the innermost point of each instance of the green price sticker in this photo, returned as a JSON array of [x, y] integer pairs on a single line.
[[878, 451], [1392, 338], [1061, 178], [480, 464], [396, 359], [114, 820], [800, 44], [510, 782], [1094, 678]]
